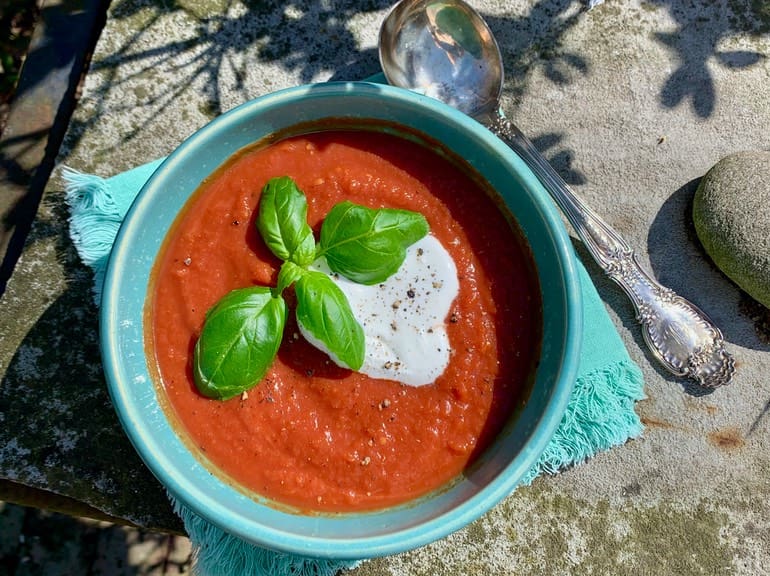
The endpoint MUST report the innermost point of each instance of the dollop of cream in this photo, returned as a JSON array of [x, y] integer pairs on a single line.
[[404, 318]]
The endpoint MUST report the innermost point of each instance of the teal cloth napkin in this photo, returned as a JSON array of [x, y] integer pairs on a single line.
[[600, 414]]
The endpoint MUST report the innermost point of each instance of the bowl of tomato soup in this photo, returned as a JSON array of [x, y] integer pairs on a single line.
[[468, 349]]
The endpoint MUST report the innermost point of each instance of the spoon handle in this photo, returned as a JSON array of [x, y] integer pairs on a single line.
[[678, 334]]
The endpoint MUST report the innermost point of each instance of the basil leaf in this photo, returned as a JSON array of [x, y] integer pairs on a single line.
[[368, 245], [282, 221], [324, 311], [239, 341]]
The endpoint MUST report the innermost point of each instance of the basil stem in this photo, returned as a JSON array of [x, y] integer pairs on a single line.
[[368, 245], [324, 311], [287, 276], [239, 341], [282, 221]]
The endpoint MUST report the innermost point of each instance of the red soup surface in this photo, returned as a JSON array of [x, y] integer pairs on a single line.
[[313, 435]]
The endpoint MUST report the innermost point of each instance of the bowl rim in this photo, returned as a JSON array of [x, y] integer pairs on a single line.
[[131, 410]]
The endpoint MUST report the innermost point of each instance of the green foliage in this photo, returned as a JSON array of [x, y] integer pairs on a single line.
[[17, 20]]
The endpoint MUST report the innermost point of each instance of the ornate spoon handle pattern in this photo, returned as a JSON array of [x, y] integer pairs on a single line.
[[677, 332]]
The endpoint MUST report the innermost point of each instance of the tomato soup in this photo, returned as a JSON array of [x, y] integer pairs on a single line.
[[312, 435]]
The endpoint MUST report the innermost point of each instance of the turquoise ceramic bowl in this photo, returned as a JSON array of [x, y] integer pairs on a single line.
[[353, 535]]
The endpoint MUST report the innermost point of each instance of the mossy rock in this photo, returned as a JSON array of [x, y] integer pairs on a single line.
[[731, 212]]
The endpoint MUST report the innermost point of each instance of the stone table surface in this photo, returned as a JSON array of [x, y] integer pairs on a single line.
[[632, 101]]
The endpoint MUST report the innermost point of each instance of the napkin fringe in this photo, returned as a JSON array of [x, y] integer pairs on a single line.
[[94, 221], [600, 415], [219, 553]]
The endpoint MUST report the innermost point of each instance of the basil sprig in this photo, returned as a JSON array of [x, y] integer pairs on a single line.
[[243, 331]]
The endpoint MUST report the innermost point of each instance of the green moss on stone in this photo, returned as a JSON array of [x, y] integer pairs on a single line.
[[549, 532], [210, 108], [203, 9], [731, 214]]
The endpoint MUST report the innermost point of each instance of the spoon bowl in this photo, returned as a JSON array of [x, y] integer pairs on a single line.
[[444, 49]]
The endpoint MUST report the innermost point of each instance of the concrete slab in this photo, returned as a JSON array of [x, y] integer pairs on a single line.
[[632, 101], [59, 49]]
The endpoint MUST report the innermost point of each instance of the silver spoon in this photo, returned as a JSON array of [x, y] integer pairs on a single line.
[[444, 49]]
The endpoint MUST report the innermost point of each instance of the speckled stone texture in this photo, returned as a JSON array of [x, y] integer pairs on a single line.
[[633, 102], [731, 212]]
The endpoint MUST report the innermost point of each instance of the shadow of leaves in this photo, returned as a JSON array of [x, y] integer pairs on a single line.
[[550, 145], [215, 48], [701, 28]]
